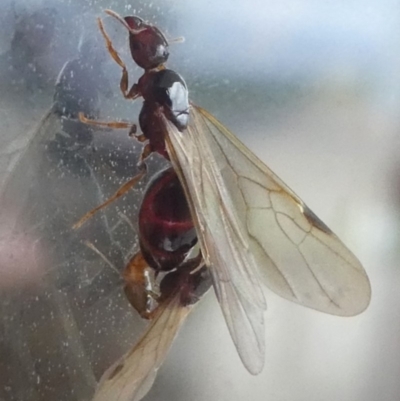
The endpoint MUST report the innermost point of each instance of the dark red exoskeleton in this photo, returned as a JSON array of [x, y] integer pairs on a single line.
[[167, 232], [249, 227], [148, 45]]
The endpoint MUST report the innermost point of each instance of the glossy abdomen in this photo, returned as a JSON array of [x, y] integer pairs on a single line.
[[166, 228]]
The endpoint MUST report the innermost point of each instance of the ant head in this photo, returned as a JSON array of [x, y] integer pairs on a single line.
[[135, 23], [148, 45]]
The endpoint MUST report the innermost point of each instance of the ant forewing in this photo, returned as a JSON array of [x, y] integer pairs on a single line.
[[252, 229]]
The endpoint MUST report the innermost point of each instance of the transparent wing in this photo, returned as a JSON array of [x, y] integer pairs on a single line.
[[131, 377], [251, 226]]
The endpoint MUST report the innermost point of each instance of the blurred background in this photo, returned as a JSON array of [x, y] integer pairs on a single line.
[[312, 87]]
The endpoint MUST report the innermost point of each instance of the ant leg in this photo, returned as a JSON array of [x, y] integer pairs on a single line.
[[146, 152], [108, 124], [133, 93], [133, 130], [120, 192], [139, 137], [115, 125], [133, 134], [94, 249]]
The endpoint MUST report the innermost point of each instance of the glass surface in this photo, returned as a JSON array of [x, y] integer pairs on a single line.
[[311, 87]]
